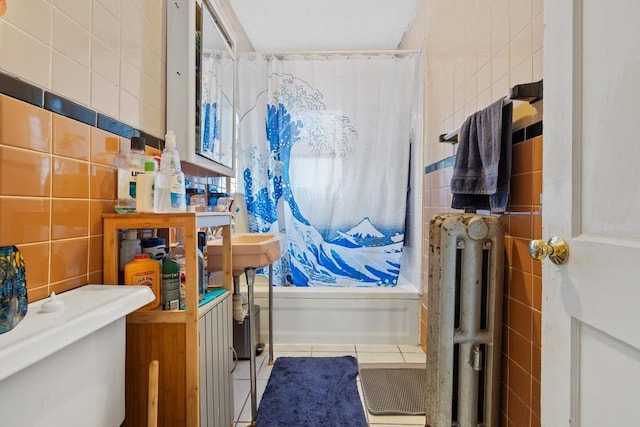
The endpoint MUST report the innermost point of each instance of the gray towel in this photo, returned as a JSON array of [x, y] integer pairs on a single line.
[[482, 171]]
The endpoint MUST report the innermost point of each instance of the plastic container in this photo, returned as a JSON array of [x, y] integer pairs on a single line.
[[155, 247], [129, 247], [145, 183], [170, 284], [203, 273], [130, 164], [144, 271], [170, 195], [177, 254]]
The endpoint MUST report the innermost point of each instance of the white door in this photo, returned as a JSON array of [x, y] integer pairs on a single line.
[[591, 197]]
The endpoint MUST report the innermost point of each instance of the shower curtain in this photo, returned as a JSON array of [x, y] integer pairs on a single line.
[[323, 156]]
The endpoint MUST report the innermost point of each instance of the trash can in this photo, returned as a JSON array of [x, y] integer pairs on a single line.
[[241, 335]]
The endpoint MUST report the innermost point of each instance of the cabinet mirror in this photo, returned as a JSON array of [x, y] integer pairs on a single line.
[[201, 70], [216, 69]]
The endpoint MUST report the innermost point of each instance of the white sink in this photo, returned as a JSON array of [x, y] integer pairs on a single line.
[[249, 250]]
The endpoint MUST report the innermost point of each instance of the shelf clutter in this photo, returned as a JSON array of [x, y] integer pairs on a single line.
[[174, 337]]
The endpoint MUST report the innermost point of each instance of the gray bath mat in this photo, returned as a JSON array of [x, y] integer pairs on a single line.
[[394, 389]]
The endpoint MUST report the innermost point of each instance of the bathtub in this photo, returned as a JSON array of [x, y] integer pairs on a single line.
[[303, 315]]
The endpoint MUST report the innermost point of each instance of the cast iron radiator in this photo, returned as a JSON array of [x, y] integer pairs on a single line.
[[464, 320]]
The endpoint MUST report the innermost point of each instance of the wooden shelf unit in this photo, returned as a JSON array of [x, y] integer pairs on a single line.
[[171, 337]]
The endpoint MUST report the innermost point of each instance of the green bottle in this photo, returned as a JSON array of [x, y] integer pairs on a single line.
[[170, 284]]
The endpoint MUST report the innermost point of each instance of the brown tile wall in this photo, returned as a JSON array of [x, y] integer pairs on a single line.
[[57, 177], [521, 333]]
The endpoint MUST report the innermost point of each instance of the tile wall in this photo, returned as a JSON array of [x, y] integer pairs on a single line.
[[93, 76], [103, 54], [57, 177], [475, 51]]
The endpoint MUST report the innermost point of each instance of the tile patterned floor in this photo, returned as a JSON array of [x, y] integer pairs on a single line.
[[364, 354]]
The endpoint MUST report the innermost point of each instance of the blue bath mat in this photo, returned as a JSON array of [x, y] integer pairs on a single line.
[[312, 392]]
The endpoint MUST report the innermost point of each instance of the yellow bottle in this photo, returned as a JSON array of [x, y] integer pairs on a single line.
[[143, 270]]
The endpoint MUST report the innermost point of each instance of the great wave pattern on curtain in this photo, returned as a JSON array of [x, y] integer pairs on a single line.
[[302, 182]]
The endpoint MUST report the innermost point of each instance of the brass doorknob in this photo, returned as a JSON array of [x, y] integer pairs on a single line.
[[557, 250]]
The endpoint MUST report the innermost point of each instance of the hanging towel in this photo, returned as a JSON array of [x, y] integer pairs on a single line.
[[482, 169]]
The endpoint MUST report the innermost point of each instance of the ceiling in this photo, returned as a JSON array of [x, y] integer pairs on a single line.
[[325, 25]]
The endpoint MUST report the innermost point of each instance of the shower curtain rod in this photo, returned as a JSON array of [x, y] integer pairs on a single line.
[[339, 52]]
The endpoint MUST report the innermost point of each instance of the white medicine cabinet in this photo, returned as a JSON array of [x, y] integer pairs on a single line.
[[201, 86]]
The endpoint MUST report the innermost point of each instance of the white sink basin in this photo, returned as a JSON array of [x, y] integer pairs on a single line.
[[249, 250]]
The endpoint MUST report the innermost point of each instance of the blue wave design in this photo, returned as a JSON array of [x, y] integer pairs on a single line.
[[311, 260]]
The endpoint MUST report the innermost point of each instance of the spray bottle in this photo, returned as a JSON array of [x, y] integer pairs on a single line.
[[169, 190]]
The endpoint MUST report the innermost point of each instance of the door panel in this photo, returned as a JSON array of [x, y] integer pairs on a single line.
[[591, 197], [603, 370]]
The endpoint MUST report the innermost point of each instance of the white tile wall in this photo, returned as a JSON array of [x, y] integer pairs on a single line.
[[70, 39], [70, 79], [521, 45], [130, 78], [105, 27], [130, 106], [77, 10], [105, 98], [105, 61], [131, 18], [131, 47], [108, 55], [503, 37], [34, 67], [499, 35], [152, 97], [520, 15], [32, 17], [113, 6]]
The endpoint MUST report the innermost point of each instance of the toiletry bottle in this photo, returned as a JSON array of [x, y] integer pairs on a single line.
[[129, 247], [144, 187], [155, 247], [203, 279], [177, 254], [169, 185], [144, 271], [170, 284], [202, 245], [130, 165]]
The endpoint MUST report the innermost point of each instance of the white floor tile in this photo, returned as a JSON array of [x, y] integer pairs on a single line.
[[350, 348], [375, 348], [332, 353], [265, 371], [245, 415], [241, 390], [291, 354], [411, 349], [415, 358], [277, 348], [394, 420], [242, 370], [380, 357]]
